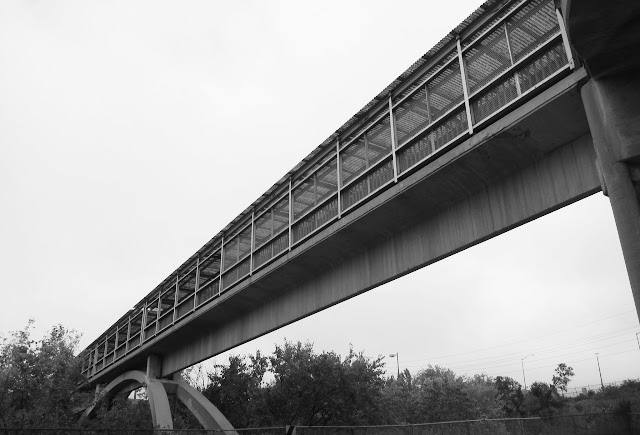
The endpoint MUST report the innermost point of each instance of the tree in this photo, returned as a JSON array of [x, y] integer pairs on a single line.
[[322, 389], [235, 389], [38, 378], [562, 377], [542, 400], [443, 396], [510, 391]]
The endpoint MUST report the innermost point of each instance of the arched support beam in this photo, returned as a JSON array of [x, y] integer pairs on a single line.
[[207, 414], [158, 400]]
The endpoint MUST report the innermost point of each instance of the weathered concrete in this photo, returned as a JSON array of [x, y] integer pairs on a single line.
[[613, 111]]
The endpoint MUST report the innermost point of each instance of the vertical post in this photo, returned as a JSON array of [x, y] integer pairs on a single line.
[[565, 39], [175, 298], [515, 73], [221, 265], [126, 350], [252, 243], [143, 321], [196, 288], [339, 177], [431, 134], [465, 87], [290, 214], [366, 162], [394, 139], [159, 310], [599, 371]]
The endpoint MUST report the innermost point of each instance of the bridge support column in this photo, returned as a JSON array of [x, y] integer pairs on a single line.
[[612, 105]]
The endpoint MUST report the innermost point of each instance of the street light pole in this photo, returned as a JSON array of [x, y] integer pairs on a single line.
[[523, 377], [599, 371], [397, 362]]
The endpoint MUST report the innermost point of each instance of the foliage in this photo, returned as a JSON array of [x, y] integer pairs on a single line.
[[235, 388], [562, 377], [543, 400], [510, 391], [38, 378], [293, 385]]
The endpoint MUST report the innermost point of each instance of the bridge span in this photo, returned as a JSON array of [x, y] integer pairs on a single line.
[[487, 131]]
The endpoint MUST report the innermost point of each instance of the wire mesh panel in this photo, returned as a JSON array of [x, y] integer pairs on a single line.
[[185, 307], [493, 98], [412, 115], [487, 58], [445, 90], [186, 291], [542, 66], [263, 228], [236, 273], [271, 235], [314, 220], [443, 133], [167, 301], [326, 180], [152, 317], [209, 275], [304, 197], [271, 249], [531, 25], [358, 190], [121, 339], [207, 292], [354, 160], [378, 140], [313, 206]]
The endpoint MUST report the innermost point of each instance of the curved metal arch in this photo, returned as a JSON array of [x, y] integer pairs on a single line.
[[158, 400], [206, 412]]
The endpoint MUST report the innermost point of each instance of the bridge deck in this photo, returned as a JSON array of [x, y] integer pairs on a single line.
[[413, 134]]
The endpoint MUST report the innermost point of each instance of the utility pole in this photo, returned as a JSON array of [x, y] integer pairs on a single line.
[[599, 371], [397, 362], [523, 377]]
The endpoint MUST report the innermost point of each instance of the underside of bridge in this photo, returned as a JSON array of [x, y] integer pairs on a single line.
[[540, 132]]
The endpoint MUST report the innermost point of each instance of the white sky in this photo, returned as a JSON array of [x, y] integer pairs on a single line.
[[132, 132]]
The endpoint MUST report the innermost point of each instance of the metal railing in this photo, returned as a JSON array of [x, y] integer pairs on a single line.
[[474, 80], [582, 424]]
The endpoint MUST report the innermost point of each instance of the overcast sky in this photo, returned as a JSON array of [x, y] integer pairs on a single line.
[[132, 132]]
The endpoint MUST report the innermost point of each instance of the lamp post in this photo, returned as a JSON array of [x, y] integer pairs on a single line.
[[522, 363], [599, 371], [397, 362]]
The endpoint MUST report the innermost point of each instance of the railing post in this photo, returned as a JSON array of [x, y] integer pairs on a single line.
[[143, 322], [465, 87], [221, 265], [290, 214], [252, 242], [175, 298], [515, 73], [196, 287], [394, 139], [565, 39]]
